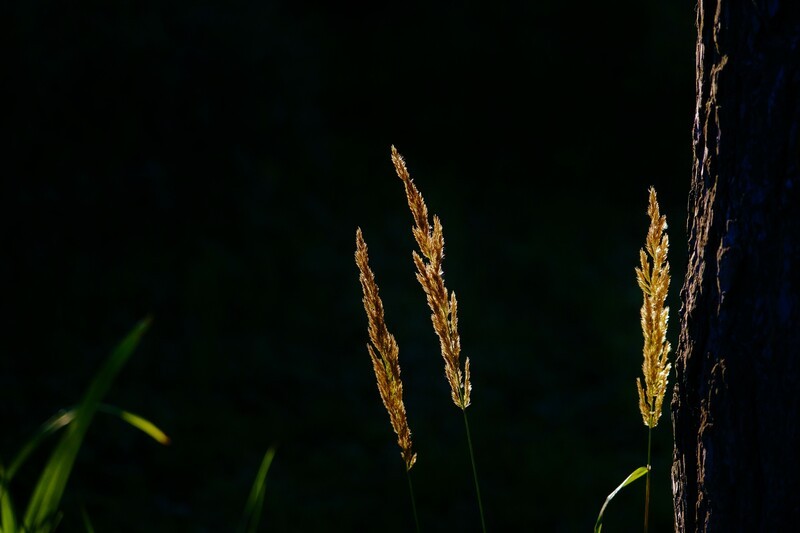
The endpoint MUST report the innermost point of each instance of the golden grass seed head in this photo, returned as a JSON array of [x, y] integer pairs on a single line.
[[653, 279], [384, 353], [430, 239]]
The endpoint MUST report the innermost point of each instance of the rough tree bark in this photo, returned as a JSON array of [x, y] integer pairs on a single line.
[[736, 407]]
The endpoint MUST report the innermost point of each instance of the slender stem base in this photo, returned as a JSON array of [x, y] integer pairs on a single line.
[[413, 499], [647, 480], [474, 470]]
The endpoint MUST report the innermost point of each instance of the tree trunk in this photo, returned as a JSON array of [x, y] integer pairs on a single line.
[[736, 406]]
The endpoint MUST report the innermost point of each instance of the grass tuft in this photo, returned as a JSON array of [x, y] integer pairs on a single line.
[[42, 514]]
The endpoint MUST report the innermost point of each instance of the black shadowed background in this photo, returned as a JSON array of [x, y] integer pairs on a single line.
[[208, 163]]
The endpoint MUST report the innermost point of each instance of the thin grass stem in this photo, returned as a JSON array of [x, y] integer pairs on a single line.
[[474, 470], [647, 480], [413, 499]]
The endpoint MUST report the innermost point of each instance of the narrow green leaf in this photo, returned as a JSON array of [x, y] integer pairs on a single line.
[[64, 417], [138, 422], [53, 424], [636, 474], [47, 494], [87, 523], [255, 502], [8, 521]]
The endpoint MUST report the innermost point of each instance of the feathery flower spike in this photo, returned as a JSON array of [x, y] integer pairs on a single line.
[[384, 354], [653, 279], [443, 305]]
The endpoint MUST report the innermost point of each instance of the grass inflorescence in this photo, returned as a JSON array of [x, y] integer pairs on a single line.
[[384, 353], [444, 317], [430, 274], [653, 277]]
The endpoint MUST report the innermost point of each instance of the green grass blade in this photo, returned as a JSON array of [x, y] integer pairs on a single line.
[[8, 520], [636, 474], [255, 502], [64, 417], [138, 422], [87, 523], [53, 424], [50, 487]]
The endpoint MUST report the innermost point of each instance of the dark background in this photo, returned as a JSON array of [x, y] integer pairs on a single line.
[[208, 163]]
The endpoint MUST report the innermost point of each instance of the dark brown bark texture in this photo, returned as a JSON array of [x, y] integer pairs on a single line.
[[736, 407]]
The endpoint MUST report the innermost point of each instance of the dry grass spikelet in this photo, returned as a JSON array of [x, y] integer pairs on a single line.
[[653, 279], [443, 305], [384, 354]]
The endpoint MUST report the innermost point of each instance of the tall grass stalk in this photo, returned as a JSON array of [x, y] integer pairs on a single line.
[[384, 352], [443, 304], [652, 276], [413, 499], [474, 471], [647, 480]]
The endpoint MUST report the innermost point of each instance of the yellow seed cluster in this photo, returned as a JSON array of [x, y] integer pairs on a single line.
[[653, 279], [384, 352], [443, 306]]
